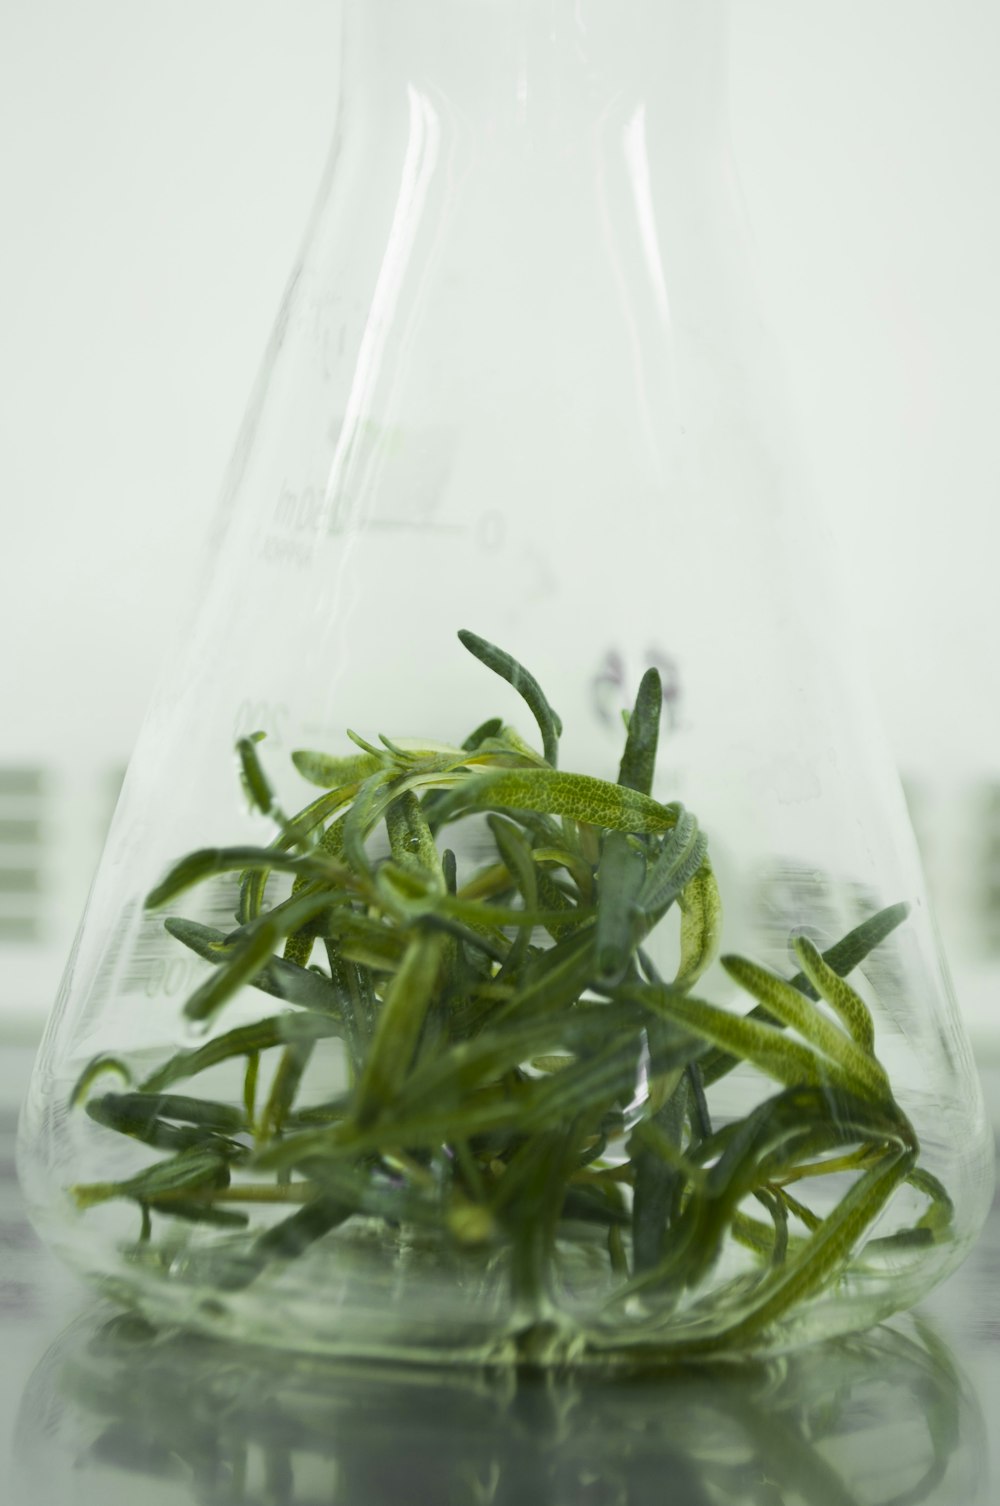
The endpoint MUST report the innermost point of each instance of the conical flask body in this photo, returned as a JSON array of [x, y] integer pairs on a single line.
[[584, 1003]]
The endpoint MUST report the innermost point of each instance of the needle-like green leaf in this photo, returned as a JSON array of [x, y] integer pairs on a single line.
[[675, 864], [577, 796], [775, 1054], [335, 773], [701, 924], [507, 667], [793, 1009], [838, 993], [620, 877], [638, 763], [400, 1022], [263, 1035], [209, 861]]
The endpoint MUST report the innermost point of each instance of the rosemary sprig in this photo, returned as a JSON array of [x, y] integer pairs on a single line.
[[522, 1081]]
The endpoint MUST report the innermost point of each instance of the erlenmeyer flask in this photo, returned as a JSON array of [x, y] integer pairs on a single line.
[[471, 1062]]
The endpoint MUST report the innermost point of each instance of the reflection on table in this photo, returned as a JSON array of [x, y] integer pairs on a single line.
[[118, 1411]]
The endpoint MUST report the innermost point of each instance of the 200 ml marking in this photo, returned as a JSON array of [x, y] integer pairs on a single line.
[[302, 517]]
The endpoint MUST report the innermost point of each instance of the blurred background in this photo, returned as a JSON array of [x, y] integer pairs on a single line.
[[157, 168]]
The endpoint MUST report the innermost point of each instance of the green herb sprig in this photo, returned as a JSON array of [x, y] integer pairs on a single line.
[[522, 1084]]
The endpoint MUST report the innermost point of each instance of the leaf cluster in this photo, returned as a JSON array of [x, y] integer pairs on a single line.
[[522, 1084]]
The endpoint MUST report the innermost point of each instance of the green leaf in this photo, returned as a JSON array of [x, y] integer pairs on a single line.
[[192, 1170], [286, 1240], [838, 993], [365, 746], [530, 1202], [287, 1079], [366, 940], [638, 763], [410, 838], [276, 1030], [485, 730], [576, 866], [779, 1217], [187, 1172], [378, 793], [300, 830], [251, 1073], [770, 1050], [517, 857], [255, 781], [842, 957], [701, 924], [940, 1215], [279, 977], [136, 1115], [793, 1009], [845, 955], [507, 750], [488, 1113], [673, 865], [518, 1108], [253, 953], [222, 1117], [578, 796], [620, 877], [353, 982], [585, 1089], [659, 1180], [489, 915], [193, 1212], [298, 948], [508, 668], [554, 980], [105, 1062], [398, 1026], [369, 808], [747, 1155], [562, 915], [404, 895], [297, 833], [478, 937], [209, 861], [299, 944], [456, 1073], [824, 1253], [336, 773]]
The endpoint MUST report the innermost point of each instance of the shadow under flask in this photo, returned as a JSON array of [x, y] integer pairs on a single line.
[[581, 1004]]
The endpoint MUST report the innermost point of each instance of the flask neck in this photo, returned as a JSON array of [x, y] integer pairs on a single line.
[[538, 74]]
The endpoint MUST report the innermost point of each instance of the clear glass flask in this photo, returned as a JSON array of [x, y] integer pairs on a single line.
[[485, 1057]]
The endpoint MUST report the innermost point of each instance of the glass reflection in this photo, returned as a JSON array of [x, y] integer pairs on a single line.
[[119, 1411]]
